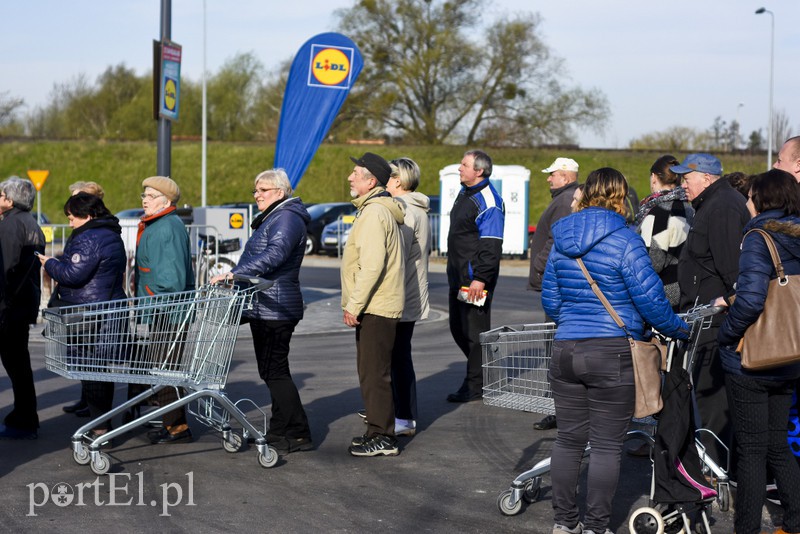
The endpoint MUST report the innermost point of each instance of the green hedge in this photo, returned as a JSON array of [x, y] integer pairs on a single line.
[[120, 168]]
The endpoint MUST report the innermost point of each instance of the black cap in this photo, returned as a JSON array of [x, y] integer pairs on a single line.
[[376, 165]]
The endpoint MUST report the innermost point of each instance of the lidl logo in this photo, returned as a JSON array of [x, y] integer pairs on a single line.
[[170, 94], [330, 67], [236, 220]]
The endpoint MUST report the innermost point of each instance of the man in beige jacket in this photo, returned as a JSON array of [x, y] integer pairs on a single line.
[[373, 295]]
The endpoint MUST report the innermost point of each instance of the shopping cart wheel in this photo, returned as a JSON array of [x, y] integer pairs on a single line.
[[102, 464], [270, 459], [646, 521], [233, 443], [81, 456], [724, 497], [532, 489], [507, 505]]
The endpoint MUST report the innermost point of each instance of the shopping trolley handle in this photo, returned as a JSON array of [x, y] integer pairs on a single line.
[[258, 284], [703, 310]]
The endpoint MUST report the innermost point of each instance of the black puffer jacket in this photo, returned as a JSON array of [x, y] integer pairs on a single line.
[[275, 252], [755, 272], [20, 236], [709, 261], [92, 267]]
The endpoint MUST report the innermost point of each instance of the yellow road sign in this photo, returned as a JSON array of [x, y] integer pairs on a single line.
[[38, 178]]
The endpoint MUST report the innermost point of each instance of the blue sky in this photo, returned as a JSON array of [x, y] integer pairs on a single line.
[[660, 64]]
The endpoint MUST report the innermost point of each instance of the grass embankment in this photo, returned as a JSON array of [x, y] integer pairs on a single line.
[[120, 168]]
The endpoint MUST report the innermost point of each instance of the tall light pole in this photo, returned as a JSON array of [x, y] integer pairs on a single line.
[[204, 142], [759, 11]]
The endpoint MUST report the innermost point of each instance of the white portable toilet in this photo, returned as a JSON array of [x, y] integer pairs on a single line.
[[511, 181]]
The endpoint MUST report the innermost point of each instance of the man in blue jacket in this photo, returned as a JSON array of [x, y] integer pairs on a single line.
[[474, 248]]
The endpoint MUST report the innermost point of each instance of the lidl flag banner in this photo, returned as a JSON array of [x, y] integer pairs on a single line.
[[323, 71]]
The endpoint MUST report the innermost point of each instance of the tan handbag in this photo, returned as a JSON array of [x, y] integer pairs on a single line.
[[774, 339], [646, 356]]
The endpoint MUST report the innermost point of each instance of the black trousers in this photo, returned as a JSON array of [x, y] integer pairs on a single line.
[[760, 412], [17, 362], [466, 324], [271, 341], [374, 343], [99, 397], [404, 380], [712, 398]]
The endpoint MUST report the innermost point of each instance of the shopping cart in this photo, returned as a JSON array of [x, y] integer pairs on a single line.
[[179, 340], [515, 365]]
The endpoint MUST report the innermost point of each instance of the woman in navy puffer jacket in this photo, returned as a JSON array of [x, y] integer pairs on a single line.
[[591, 370], [275, 252], [760, 400], [91, 269]]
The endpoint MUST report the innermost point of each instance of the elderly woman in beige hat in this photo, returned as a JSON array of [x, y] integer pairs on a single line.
[[163, 265]]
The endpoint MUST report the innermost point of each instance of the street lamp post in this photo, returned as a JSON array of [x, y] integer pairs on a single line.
[[759, 11]]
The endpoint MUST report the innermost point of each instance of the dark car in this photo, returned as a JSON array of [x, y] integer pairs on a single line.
[[322, 215], [185, 213]]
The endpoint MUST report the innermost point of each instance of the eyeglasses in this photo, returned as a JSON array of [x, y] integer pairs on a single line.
[[261, 190], [151, 196]]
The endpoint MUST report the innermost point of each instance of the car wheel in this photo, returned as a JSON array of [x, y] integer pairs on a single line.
[[312, 245]]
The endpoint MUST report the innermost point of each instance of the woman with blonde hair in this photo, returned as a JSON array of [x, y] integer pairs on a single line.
[[591, 371]]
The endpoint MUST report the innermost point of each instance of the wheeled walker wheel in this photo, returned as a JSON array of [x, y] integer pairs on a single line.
[[505, 501], [81, 456], [724, 497], [270, 459], [533, 488], [233, 443], [646, 521], [101, 464]]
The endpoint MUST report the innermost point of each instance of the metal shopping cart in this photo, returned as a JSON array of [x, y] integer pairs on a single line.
[[515, 365], [180, 340]]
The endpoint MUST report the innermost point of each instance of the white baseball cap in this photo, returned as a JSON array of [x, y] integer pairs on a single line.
[[562, 164]]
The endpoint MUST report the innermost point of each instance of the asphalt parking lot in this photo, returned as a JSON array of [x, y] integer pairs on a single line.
[[446, 479]]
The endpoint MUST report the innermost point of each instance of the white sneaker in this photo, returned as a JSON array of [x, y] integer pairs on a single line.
[[405, 427]]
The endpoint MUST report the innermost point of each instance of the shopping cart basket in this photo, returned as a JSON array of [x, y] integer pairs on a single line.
[[515, 365], [181, 340]]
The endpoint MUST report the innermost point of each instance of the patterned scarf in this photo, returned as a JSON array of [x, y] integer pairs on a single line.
[[660, 197]]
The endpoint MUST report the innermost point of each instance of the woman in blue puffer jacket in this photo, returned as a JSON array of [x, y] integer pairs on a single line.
[[275, 252], [591, 371], [760, 400], [91, 269]]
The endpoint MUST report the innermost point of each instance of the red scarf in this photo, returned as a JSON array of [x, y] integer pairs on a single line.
[[147, 220]]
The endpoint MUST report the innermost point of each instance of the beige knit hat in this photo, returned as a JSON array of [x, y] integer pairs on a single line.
[[165, 186]]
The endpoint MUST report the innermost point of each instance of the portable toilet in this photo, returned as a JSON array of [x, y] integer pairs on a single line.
[[511, 182]]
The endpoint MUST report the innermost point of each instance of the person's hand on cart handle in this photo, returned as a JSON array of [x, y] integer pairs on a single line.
[[42, 258], [720, 302], [226, 277]]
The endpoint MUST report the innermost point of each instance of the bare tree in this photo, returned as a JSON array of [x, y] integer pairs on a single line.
[[9, 106], [432, 75], [781, 131]]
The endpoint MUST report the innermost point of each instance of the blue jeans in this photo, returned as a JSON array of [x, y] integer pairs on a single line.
[[593, 390], [760, 418]]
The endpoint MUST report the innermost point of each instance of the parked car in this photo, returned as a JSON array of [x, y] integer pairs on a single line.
[[335, 234], [322, 215], [41, 218], [185, 213]]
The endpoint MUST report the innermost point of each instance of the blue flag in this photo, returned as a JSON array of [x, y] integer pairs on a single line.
[[322, 73]]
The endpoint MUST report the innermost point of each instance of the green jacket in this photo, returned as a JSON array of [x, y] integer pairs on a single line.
[[163, 258]]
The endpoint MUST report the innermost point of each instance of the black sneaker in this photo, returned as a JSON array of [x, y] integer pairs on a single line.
[[377, 445], [359, 440]]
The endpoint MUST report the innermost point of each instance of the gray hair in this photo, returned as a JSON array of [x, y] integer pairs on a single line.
[[20, 192], [408, 173], [482, 162], [276, 178]]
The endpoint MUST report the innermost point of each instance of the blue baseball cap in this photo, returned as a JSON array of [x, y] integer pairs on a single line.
[[700, 162]]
